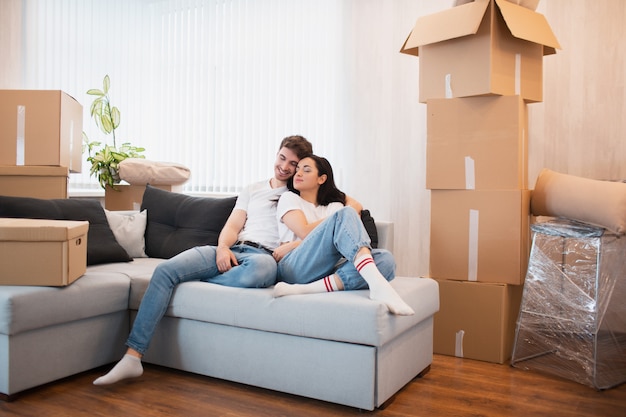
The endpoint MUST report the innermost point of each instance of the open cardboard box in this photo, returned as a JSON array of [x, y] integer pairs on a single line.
[[479, 48]]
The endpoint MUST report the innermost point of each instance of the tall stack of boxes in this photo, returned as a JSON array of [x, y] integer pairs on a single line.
[[480, 64], [40, 142]]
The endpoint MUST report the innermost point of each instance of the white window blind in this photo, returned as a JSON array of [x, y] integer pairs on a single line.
[[212, 84]]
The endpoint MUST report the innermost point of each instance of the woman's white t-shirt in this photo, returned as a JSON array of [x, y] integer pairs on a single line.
[[291, 201]]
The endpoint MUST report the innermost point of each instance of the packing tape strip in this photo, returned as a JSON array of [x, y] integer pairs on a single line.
[[458, 346], [518, 74], [21, 128], [71, 145], [470, 174], [448, 81], [472, 258]]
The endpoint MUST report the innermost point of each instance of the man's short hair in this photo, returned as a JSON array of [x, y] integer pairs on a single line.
[[298, 144]]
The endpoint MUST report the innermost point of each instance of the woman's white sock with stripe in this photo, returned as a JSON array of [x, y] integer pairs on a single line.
[[326, 284], [380, 289]]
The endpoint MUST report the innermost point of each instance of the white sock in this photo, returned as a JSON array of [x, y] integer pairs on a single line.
[[380, 289], [128, 367], [326, 284]]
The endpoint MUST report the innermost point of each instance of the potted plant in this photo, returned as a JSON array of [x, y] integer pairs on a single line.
[[105, 160]]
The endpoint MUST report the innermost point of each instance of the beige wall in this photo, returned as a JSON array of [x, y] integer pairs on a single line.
[[579, 128], [10, 42]]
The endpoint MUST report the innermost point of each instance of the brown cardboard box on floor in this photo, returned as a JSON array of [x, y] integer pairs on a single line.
[[482, 47], [480, 235], [34, 181], [477, 143], [476, 320], [40, 127], [129, 197], [42, 252]]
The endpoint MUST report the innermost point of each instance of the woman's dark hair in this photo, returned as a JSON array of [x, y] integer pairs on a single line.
[[328, 192]]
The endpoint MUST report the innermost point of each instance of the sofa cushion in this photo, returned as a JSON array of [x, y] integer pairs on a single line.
[[362, 320], [102, 247], [177, 222], [24, 308]]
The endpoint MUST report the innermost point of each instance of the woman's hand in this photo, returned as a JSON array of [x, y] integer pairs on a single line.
[[351, 202], [282, 251]]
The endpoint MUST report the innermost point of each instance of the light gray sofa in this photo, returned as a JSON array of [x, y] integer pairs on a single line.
[[340, 347]]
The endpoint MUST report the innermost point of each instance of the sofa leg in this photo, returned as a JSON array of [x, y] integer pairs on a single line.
[[8, 397], [424, 372]]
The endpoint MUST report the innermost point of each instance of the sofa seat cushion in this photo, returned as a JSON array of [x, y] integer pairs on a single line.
[[348, 316], [24, 308]]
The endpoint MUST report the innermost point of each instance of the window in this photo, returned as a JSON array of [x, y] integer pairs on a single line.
[[212, 84]]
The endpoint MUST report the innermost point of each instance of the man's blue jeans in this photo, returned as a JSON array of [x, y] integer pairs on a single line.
[[256, 269], [331, 248]]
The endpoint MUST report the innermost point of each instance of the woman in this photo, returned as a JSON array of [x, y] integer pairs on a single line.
[[319, 232]]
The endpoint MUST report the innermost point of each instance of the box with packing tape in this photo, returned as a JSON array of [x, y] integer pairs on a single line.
[[480, 235], [477, 143], [40, 127], [476, 320]]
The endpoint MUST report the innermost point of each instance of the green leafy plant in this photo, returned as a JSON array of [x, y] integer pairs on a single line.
[[105, 160]]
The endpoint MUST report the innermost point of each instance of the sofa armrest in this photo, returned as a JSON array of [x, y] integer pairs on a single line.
[[385, 235]]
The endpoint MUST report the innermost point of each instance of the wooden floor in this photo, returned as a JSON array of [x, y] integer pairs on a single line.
[[453, 387]]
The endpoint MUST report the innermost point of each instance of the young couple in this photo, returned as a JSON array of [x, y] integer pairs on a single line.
[[318, 228]]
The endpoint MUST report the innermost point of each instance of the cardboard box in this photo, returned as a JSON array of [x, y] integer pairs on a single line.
[[129, 197], [476, 320], [40, 127], [34, 181], [480, 235], [529, 4], [42, 252], [477, 143], [479, 48]]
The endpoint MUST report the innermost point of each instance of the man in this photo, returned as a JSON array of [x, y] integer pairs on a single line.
[[242, 258]]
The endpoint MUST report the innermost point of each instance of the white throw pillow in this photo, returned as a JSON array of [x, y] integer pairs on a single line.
[[129, 230]]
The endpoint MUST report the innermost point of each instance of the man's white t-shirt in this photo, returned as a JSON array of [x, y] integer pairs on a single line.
[[259, 200], [291, 201]]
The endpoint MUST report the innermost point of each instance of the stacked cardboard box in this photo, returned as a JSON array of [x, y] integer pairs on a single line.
[[480, 64], [40, 142]]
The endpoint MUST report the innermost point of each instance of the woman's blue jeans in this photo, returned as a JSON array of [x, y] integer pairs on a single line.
[[331, 248], [256, 269]]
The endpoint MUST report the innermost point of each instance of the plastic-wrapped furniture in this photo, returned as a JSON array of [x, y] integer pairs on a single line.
[[572, 320]]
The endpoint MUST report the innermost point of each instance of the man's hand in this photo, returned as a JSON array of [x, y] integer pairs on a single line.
[[225, 259]]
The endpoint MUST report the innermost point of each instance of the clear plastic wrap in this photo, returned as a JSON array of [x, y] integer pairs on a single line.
[[572, 320]]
